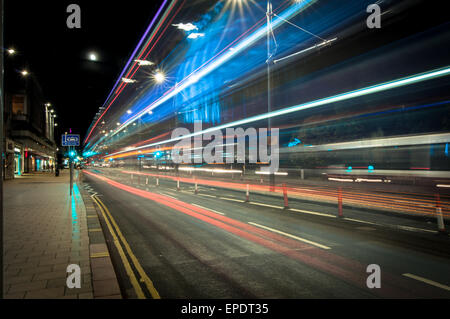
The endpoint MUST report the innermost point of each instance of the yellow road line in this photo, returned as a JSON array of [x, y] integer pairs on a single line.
[[94, 230], [99, 255], [151, 288], [428, 281], [137, 288]]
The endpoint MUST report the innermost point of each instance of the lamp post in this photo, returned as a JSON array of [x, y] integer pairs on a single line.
[[1, 143], [269, 15]]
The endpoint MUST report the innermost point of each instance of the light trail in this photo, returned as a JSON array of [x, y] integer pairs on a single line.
[[392, 202], [346, 269], [259, 34], [128, 63], [333, 99], [148, 42]]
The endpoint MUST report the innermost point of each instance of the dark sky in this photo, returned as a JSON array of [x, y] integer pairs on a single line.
[[57, 55]]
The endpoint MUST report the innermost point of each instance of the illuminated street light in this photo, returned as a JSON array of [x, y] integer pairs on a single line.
[[56, 124], [125, 80], [195, 35], [159, 77], [185, 26], [11, 51], [144, 62], [93, 57], [25, 73], [118, 124], [129, 112]]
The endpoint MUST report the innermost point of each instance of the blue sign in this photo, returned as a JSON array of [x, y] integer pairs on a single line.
[[70, 140]]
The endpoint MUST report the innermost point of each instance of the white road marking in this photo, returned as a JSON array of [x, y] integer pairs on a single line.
[[311, 213], [215, 211], [291, 236], [395, 226], [360, 221], [232, 199], [207, 195], [427, 281], [416, 229], [266, 205]]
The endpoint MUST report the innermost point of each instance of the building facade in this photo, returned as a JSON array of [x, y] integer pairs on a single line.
[[29, 122]]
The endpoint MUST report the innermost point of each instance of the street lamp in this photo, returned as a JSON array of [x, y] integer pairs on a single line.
[[159, 77], [11, 51], [93, 57], [25, 73]]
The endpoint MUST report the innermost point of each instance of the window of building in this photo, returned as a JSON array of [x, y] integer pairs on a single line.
[[18, 104]]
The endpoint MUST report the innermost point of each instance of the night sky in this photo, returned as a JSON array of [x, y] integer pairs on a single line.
[[58, 56]]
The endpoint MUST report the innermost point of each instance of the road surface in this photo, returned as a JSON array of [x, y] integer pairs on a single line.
[[214, 244]]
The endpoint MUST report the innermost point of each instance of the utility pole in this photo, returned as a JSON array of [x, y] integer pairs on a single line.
[[2, 97], [269, 62]]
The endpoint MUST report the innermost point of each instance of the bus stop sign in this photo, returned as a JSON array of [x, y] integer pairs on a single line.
[[70, 140]]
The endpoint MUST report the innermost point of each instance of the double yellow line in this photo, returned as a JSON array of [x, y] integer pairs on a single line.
[[117, 234]]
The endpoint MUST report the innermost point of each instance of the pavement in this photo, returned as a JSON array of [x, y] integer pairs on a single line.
[[45, 231], [215, 245]]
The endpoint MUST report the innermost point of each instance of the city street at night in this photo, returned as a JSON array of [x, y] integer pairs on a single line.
[[226, 158]]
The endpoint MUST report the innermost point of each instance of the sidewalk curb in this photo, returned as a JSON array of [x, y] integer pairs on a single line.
[[104, 278]]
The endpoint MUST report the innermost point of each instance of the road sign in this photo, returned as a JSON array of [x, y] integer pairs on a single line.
[[70, 140]]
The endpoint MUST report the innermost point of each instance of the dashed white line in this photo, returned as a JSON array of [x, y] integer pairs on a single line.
[[232, 199], [291, 236], [207, 195], [409, 228], [215, 211], [266, 205], [427, 281], [311, 213], [360, 221]]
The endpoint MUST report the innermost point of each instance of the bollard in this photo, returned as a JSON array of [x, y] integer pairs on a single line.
[[286, 203], [178, 184], [157, 181], [247, 194], [440, 218], [196, 188], [340, 214], [131, 178], [146, 181], [262, 181]]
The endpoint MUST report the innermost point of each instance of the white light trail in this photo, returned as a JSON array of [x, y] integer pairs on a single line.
[[337, 98]]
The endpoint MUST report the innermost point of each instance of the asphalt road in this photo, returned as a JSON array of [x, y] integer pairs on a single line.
[[215, 245]]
